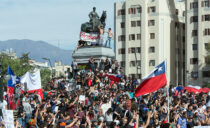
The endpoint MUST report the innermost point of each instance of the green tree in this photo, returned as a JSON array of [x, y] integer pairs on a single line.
[[45, 77], [20, 66]]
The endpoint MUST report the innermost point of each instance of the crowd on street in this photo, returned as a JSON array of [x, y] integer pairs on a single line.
[[92, 100]]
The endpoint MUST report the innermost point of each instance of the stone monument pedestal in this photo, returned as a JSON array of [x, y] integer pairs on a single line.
[[97, 52]]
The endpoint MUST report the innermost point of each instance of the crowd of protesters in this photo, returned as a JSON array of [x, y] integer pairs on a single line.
[[91, 100]]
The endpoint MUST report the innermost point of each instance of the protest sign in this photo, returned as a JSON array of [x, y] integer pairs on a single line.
[[8, 118]]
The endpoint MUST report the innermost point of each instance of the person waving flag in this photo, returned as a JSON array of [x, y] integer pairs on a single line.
[[154, 81], [14, 80]]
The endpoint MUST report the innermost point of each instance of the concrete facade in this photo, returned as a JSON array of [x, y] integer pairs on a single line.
[[60, 69], [197, 36], [150, 31]]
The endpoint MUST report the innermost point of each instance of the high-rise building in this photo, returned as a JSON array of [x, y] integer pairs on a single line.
[[148, 32], [197, 37]]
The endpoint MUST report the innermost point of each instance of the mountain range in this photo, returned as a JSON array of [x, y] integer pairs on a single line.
[[38, 50]]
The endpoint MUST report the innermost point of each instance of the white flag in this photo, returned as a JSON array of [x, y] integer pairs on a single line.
[[33, 80]]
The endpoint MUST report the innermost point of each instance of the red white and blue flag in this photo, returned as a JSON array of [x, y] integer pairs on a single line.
[[154, 81], [114, 77], [11, 86]]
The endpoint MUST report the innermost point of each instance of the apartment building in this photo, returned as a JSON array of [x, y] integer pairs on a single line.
[[148, 32], [197, 37]]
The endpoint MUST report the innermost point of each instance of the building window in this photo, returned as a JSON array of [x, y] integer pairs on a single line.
[[138, 10], [207, 31], [138, 50], [183, 26], [138, 36], [121, 12], [121, 51], [151, 23], [193, 5], [194, 75], [152, 35], [122, 24], [152, 63], [207, 60], [122, 63], [132, 76], [133, 23], [132, 63], [132, 11], [194, 61], [183, 14], [177, 12], [138, 63], [138, 23], [177, 24], [151, 49], [205, 3], [151, 9], [132, 37], [131, 50], [206, 73], [183, 39], [207, 45], [194, 32], [205, 17], [134, 50], [193, 19], [195, 46], [121, 38], [139, 76]]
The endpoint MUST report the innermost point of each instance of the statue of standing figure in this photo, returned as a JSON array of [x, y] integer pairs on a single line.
[[94, 18], [95, 22]]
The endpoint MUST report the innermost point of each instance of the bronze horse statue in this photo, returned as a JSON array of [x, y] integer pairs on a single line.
[[88, 27]]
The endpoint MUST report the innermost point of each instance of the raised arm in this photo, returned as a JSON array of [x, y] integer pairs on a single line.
[[148, 119]]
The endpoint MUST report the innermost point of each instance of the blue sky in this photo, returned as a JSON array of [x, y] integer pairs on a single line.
[[52, 21]]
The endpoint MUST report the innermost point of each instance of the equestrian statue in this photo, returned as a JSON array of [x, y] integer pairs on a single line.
[[95, 22]]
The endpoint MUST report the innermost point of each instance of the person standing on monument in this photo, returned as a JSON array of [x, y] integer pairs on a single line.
[[101, 30], [109, 38], [74, 67], [94, 18]]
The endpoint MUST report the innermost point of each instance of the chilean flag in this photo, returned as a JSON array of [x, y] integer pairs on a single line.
[[154, 81], [114, 77], [11, 86], [33, 81], [196, 89]]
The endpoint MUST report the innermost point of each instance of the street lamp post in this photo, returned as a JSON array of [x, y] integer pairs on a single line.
[[50, 64]]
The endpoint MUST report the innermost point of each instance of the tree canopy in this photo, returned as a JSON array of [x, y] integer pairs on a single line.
[[20, 66]]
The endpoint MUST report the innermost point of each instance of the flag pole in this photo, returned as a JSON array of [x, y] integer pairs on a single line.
[[167, 86]]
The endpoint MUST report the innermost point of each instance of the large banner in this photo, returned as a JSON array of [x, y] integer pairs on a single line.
[[91, 37], [8, 118]]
